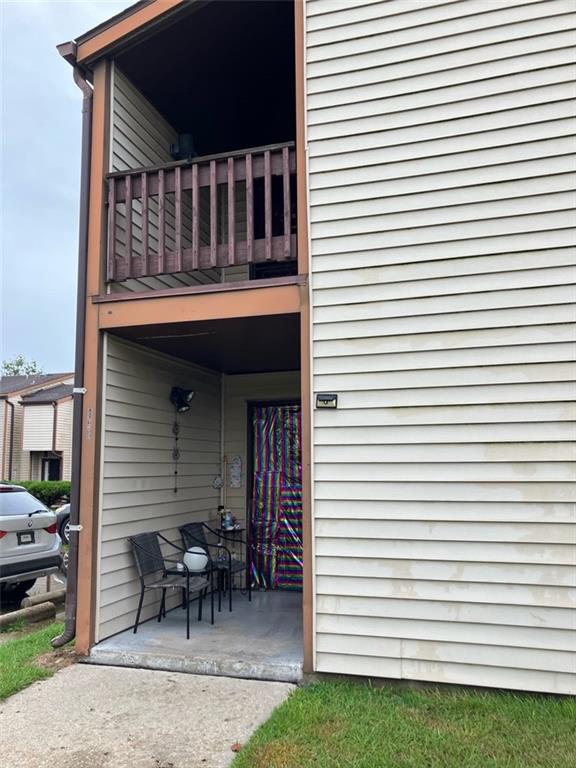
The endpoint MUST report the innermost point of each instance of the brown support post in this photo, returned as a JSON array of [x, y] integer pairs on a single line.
[[91, 407], [305, 344]]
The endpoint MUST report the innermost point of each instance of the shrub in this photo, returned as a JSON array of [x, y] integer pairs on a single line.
[[49, 492]]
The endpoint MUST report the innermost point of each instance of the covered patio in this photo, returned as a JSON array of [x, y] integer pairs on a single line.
[[235, 447], [261, 640]]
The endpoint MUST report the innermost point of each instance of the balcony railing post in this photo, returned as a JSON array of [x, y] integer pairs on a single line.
[[213, 214], [268, 205], [128, 255], [231, 213], [249, 209], [111, 261], [195, 218], [286, 197], [145, 230], [161, 221], [178, 217]]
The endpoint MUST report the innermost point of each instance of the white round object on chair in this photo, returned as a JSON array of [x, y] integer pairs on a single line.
[[196, 559]]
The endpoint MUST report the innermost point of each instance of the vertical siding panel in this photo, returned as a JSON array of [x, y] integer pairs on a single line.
[[440, 227]]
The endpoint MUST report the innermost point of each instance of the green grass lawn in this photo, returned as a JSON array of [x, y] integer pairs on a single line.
[[345, 725], [18, 667]]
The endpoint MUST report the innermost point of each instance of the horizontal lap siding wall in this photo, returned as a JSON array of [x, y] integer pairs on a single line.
[[38, 428], [441, 183], [137, 493]]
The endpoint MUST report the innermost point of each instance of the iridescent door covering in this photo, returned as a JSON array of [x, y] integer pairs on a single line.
[[276, 516]]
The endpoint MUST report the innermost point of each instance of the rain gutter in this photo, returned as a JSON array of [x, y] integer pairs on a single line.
[[68, 52]]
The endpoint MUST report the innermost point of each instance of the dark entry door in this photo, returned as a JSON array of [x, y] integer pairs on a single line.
[[51, 468], [276, 509]]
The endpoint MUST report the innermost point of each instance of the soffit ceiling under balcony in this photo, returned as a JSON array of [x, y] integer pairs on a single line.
[[240, 345]]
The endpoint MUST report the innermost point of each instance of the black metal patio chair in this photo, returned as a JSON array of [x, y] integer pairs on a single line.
[[224, 564], [155, 571]]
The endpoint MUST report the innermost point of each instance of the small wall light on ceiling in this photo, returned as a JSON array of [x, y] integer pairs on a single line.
[[181, 399]]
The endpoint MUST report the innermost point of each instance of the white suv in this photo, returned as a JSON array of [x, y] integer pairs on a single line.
[[29, 541]]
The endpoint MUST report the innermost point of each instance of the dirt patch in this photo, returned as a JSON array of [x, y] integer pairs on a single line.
[[25, 629], [57, 659], [280, 754]]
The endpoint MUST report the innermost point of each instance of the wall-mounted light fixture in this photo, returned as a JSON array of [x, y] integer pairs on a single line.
[[181, 399], [326, 400]]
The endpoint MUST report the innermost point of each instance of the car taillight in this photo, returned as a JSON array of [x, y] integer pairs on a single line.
[[2, 534], [52, 528]]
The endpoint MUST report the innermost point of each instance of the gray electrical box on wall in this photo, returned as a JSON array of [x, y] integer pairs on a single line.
[[326, 401]]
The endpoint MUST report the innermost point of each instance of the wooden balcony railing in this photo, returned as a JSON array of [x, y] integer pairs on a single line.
[[209, 212]]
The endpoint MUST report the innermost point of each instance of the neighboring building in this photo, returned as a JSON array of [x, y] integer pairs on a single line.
[[376, 215], [36, 427]]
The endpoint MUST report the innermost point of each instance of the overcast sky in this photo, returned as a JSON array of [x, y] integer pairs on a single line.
[[40, 176]]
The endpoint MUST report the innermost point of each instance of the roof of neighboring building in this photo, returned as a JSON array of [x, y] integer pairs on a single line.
[[12, 384], [49, 395]]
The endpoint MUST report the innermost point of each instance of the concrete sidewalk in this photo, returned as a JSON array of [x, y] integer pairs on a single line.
[[108, 717]]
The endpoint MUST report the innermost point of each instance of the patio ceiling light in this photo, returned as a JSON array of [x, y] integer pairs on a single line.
[[181, 398]]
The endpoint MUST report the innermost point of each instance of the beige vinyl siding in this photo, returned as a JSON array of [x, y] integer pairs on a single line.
[[3, 446], [137, 493], [64, 435], [38, 432], [441, 194], [20, 455], [239, 390]]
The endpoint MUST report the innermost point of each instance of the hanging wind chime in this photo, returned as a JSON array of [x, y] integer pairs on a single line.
[[176, 452], [180, 399]]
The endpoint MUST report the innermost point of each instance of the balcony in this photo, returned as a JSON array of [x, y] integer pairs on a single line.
[[203, 221]]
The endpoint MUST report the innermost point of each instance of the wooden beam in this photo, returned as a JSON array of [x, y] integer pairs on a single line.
[[305, 344], [151, 309], [91, 405]]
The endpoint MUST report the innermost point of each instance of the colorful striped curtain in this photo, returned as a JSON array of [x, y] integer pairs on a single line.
[[276, 518]]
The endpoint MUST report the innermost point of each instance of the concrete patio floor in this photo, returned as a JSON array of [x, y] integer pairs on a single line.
[[261, 640]]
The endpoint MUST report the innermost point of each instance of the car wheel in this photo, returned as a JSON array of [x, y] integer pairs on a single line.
[[65, 531], [16, 592], [64, 563]]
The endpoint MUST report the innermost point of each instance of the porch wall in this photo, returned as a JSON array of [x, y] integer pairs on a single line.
[[137, 491], [238, 391], [441, 222]]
